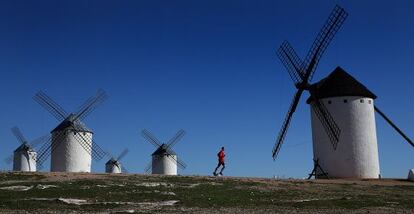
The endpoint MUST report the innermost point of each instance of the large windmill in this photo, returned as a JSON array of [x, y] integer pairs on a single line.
[[71, 146], [164, 159], [114, 165], [24, 157], [342, 111], [352, 106]]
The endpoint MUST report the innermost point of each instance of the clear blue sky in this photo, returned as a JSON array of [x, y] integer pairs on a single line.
[[208, 67]]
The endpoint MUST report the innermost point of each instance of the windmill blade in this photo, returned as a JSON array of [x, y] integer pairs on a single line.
[[150, 138], [180, 134], [325, 36], [174, 158], [327, 121], [285, 126], [180, 163], [291, 61], [19, 135], [91, 104], [51, 106], [394, 126], [92, 148], [49, 147], [45, 151], [148, 167], [39, 140], [122, 155]]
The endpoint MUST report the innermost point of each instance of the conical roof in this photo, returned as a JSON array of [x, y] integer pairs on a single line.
[[24, 147], [163, 150], [338, 84], [68, 123], [112, 161]]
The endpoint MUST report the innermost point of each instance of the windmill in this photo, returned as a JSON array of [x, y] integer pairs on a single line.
[[24, 157], [338, 100], [71, 146], [114, 165], [352, 105], [164, 159]]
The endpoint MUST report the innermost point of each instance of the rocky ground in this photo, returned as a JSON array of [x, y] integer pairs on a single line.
[[103, 193]]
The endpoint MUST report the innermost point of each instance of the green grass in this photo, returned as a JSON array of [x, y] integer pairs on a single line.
[[201, 193]]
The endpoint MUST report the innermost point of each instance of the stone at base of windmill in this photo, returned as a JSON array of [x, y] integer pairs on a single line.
[[411, 175]]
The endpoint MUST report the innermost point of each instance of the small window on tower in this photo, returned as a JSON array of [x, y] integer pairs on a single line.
[[369, 101], [345, 101], [362, 101], [329, 102]]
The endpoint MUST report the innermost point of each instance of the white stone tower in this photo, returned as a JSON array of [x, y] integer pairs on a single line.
[[164, 161], [71, 153], [351, 105], [24, 159]]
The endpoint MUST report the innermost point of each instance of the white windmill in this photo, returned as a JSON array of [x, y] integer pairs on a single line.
[[24, 157], [71, 147], [343, 120], [164, 159], [114, 165]]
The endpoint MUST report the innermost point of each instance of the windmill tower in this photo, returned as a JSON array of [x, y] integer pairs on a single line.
[[164, 159], [24, 157], [343, 120], [352, 106], [72, 147], [114, 165]]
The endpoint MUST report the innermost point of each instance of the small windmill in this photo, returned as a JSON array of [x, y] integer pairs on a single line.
[[114, 165], [24, 157], [71, 147], [164, 159], [301, 72]]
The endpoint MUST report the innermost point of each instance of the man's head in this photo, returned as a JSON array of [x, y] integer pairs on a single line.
[[222, 148]]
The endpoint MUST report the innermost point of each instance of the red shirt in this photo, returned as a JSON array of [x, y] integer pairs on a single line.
[[221, 156]]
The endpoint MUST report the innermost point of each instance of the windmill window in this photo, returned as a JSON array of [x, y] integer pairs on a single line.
[[369, 101], [329, 102], [345, 101], [362, 101]]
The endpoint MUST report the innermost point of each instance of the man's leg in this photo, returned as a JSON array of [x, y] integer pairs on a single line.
[[215, 171], [224, 166]]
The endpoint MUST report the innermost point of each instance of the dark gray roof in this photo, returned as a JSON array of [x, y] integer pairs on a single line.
[[68, 123], [112, 161], [24, 147], [163, 150], [338, 84]]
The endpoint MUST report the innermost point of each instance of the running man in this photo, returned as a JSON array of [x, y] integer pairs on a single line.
[[220, 156]]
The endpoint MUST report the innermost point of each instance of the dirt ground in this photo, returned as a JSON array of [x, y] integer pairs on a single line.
[[134, 193]]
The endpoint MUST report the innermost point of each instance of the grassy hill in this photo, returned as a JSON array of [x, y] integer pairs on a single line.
[[103, 193]]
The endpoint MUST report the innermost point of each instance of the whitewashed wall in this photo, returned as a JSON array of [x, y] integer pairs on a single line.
[[164, 165], [69, 155], [24, 161], [356, 155]]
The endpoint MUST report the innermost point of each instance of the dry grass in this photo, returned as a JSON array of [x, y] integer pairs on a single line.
[[103, 193]]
